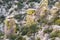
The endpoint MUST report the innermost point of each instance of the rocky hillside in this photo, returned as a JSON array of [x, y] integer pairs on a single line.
[[34, 19]]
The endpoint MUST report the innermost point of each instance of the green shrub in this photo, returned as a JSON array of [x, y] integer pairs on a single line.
[[57, 22], [9, 6], [2, 18], [33, 28], [29, 33], [20, 38], [1, 34], [6, 1], [34, 1], [24, 30], [55, 34], [53, 38], [38, 20], [11, 36], [38, 38], [20, 4], [19, 17], [29, 30], [48, 30]]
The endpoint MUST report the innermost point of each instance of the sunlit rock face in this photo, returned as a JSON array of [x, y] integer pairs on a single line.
[[54, 10], [57, 4]]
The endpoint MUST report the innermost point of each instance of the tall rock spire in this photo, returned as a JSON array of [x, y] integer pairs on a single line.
[[43, 3], [10, 26], [42, 7]]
